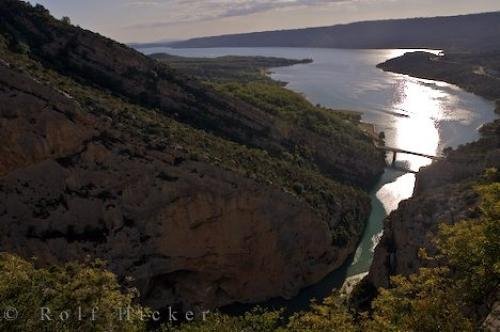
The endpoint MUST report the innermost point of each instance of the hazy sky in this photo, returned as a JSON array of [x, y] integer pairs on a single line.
[[153, 20]]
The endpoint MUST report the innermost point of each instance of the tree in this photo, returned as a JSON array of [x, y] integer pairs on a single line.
[[425, 301], [40, 8], [472, 247], [331, 315], [441, 299], [66, 20], [258, 320], [21, 48]]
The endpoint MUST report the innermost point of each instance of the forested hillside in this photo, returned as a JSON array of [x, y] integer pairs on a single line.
[[471, 33]]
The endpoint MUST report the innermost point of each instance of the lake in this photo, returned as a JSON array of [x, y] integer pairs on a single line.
[[415, 114]]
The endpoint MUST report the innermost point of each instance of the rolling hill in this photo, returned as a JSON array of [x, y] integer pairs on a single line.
[[454, 33]]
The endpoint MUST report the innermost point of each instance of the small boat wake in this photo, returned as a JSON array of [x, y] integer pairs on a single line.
[[376, 239], [357, 255]]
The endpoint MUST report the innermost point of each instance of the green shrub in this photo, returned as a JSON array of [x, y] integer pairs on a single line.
[[331, 315], [70, 297], [21, 48], [66, 20], [258, 320]]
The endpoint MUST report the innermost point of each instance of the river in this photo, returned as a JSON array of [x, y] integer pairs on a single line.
[[415, 114]]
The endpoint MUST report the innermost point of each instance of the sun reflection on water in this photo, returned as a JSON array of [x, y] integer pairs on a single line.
[[417, 129], [392, 193]]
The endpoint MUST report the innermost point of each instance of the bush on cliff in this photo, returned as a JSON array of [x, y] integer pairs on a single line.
[[258, 320], [70, 297]]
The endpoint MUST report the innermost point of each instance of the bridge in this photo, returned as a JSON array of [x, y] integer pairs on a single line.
[[395, 152]]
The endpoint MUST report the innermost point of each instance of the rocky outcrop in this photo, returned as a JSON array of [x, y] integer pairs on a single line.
[[492, 321], [413, 226], [37, 123], [185, 231]]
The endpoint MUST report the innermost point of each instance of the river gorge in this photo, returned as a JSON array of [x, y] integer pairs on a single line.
[[440, 114], [332, 178]]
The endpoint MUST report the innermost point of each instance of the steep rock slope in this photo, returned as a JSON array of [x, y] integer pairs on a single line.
[[99, 61]]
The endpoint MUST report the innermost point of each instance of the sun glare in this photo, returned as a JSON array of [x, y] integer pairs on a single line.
[[421, 109]]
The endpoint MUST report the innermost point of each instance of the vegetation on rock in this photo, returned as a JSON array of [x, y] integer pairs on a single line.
[[244, 79], [121, 135], [227, 68], [69, 297]]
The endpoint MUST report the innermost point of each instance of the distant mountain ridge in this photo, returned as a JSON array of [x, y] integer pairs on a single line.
[[452, 33]]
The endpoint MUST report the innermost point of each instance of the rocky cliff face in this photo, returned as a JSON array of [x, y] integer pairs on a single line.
[[74, 184], [413, 226]]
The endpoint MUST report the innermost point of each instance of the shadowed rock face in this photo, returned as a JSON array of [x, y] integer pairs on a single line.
[[413, 226], [186, 231], [37, 122], [444, 194]]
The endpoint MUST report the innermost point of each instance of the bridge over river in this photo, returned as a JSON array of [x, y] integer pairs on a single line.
[[395, 152]]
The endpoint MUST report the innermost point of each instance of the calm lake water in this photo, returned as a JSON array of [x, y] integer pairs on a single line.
[[415, 114]]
